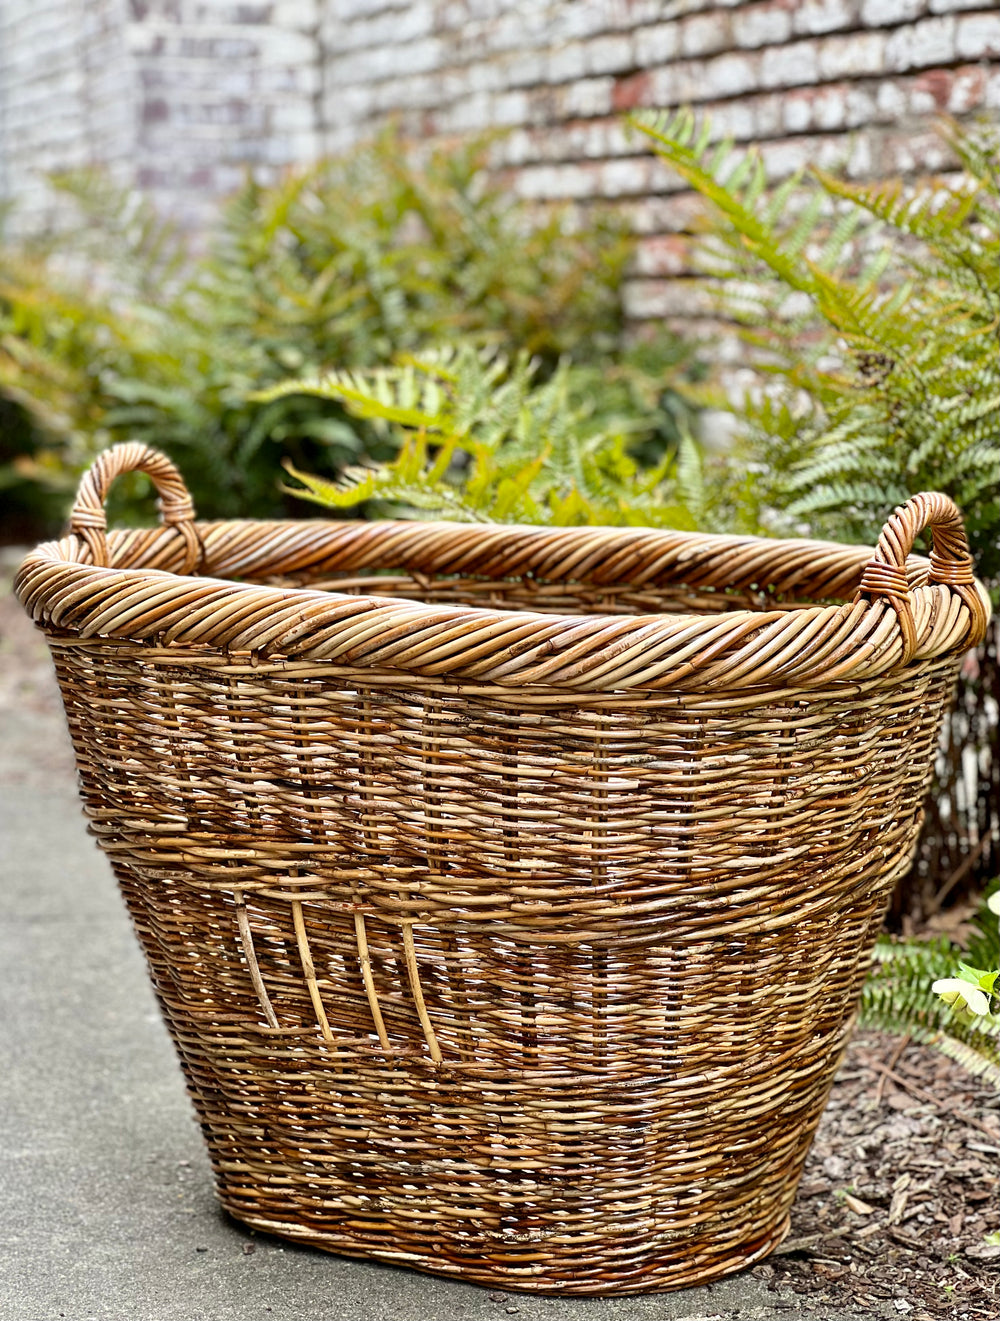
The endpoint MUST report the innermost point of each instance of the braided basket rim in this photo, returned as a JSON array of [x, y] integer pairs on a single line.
[[142, 598]]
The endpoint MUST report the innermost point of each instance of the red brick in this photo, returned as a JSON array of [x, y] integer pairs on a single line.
[[634, 90]]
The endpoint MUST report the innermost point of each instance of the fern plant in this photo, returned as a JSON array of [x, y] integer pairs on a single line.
[[480, 438], [898, 995], [343, 265], [875, 311]]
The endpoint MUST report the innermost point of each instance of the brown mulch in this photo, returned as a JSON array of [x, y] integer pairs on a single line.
[[900, 1189]]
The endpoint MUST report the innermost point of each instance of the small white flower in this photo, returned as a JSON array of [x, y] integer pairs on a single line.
[[963, 997], [993, 903]]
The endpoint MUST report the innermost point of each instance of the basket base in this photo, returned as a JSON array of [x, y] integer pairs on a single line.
[[653, 1275]]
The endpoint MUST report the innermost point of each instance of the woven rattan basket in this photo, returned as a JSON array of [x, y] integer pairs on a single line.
[[507, 890]]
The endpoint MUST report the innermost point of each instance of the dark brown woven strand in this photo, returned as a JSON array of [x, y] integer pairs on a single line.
[[504, 943]]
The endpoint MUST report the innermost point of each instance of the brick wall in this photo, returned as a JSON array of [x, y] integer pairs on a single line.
[[178, 96], [222, 86], [65, 96], [184, 94], [853, 84]]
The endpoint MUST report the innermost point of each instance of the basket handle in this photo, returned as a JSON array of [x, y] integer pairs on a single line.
[[951, 563], [89, 522]]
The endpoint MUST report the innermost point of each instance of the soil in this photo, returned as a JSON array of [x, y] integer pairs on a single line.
[[900, 1190], [902, 1187]]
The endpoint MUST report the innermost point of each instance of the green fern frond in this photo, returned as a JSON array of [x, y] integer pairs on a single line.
[[897, 998], [893, 339], [350, 263], [491, 441], [897, 995]]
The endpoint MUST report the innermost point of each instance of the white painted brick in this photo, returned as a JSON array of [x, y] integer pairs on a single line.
[[293, 116], [830, 109], [705, 34], [719, 429], [788, 66], [422, 56], [646, 300], [768, 113], [516, 148], [921, 102], [551, 182], [967, 91], [348, 9], [859, 106], [922, 44], [566, 62], [515, 29], [483, 76], [455, 83], [891, 100], [664, 254], [978, 37], [510, 108], [370, 64], [798, 114], [618, 178], [141, 40], [339, 139], [860, 163], [816, 16], [588, 98], [761, 25], [472, 114], [618, 138], [734, 119], [525, 68], [729, 75], [852, 56], [303, 80], [787, 156], [609, 54], [630, 13], [299, 14], [576, 21], [915, 153], [355, 102], [580, 141], [658, 44], [405, 24], [888, 13], [301, 148]]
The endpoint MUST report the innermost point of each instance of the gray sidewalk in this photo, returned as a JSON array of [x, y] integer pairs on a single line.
[[105, 1192]]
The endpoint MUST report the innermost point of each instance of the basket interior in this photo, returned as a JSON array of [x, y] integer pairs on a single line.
[[563, 598], [566, 571]]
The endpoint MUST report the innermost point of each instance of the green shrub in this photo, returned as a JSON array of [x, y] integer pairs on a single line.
[[874, 310], [341, 266], [480, 439]]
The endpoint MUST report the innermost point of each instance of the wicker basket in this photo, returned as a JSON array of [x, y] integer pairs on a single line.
[[507, 890]]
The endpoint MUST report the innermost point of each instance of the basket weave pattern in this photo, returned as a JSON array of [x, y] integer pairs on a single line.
[[515, 929]]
